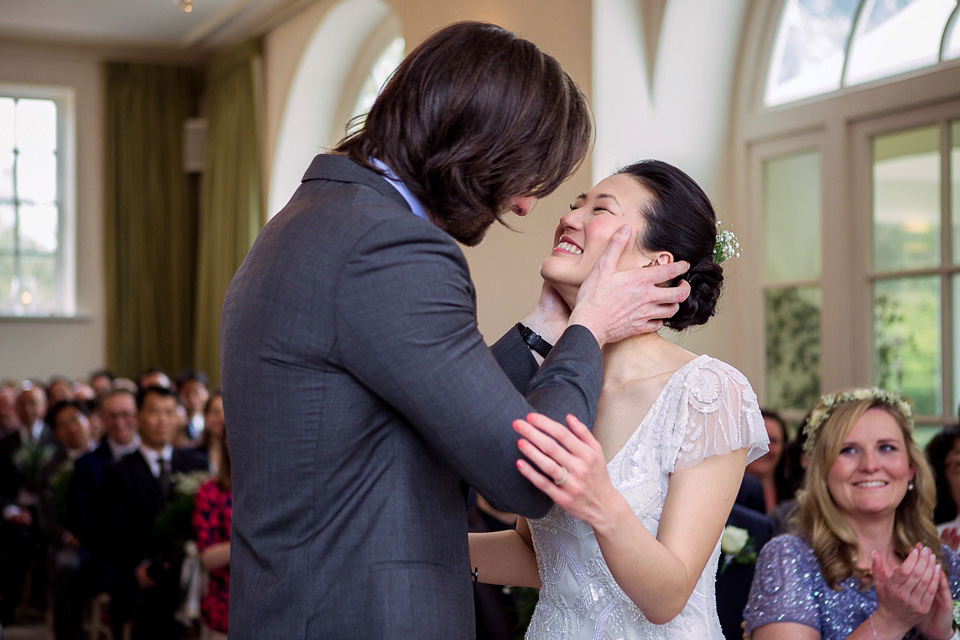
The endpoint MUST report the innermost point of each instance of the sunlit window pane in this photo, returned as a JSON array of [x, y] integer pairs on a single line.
[[952, 48], [907, 342], [38, 285], [955, 191], [37, 176], [894, 36], [807, 57], [6, 175], [38, 228], [792, 320], [955, 286], [7, 221], [791, 210], [906, 199], [37, 125], [382, 69], [7, 125]]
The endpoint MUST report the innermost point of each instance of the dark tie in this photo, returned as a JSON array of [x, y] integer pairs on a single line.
[[164, 477]]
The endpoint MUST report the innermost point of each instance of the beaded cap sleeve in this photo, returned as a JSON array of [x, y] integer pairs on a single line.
[[706, 408], [713, 411]]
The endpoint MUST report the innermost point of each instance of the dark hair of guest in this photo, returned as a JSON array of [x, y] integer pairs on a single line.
[[163, 392], [681, 220], [55, 410], [937, 450], [474, 116]]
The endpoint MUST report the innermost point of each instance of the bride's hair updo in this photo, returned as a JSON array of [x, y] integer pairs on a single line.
[[681, 220]]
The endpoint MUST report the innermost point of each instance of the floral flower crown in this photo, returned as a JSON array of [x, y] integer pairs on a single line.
[[828, 401], [727, 246]]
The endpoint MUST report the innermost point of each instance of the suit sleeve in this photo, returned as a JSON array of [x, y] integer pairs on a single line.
[[406, 319]]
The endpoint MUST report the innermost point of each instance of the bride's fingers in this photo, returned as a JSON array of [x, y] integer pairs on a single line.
[[559, 432], [548, 464], [544, 440], [540, 481]]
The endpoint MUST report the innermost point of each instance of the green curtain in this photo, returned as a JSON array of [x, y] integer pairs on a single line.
[[150, 218], [230, 197]]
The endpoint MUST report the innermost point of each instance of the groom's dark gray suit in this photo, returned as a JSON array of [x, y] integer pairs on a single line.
[[358, 395]]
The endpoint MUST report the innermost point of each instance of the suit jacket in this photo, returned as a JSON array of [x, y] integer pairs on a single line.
[[750, 494], [733, 585], [134, 499], [85, 504], [359, 394]]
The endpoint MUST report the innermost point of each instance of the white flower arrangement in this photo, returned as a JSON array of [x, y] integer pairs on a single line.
[[727, 246], [828, 401]]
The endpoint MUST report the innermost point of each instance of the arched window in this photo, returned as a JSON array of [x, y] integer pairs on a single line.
[[380, 72], [852, 201], [823, 45]]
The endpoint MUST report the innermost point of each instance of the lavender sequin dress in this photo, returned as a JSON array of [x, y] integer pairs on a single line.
[[706, 408], [789, 587]]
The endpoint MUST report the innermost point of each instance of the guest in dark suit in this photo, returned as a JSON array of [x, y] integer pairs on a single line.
[[358, 390], [66, 556], [138, 488], [750, 494], [733, 583], [85, 500]]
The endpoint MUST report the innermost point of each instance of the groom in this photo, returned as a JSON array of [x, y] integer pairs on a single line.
[[359, 394]]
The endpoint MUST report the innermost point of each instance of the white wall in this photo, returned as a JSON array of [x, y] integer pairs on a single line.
[[40, 348]]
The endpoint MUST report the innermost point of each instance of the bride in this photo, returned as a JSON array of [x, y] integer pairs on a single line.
[[631, 547]]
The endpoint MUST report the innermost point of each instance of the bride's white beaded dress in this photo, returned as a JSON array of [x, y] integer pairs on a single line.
[[706, 408]]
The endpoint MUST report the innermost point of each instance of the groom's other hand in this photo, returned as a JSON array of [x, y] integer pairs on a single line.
[[615, 305]]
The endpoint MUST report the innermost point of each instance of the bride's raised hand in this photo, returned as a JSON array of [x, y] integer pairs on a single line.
[[567, 464], [550, 316]]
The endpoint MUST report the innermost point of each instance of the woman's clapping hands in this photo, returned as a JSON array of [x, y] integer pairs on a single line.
[[914, 594]]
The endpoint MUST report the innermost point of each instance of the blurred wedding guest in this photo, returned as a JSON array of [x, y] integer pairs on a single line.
[[865, 560], [734, 578], [192, 385], [211, 442], [137, 490], [212, 523], [66, 558], [765, 467], [943, 453], [154, 377], [8, 411], [101, 381], [31, 408], [85, 500], [792, 469], [59, 389]]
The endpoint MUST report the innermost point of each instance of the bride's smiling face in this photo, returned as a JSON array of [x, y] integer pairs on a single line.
[[583, 233]]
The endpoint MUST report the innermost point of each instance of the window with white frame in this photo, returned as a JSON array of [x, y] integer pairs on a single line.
[[36, 271], [854, 165]]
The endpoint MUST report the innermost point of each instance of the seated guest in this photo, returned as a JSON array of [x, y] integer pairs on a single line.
[[66, 557], [211, 522], [734, 579], [101, 381], [59, 389], [212, 441], [137, 489], [193, 391], [865, 561], [154, 377], [943, 453], [85, 500], [765, 467]]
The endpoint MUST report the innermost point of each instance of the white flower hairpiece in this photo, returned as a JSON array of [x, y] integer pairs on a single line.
[[828, 401], [727, 246]]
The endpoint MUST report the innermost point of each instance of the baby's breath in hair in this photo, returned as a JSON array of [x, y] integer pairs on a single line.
[[828, 401], [726, 247]]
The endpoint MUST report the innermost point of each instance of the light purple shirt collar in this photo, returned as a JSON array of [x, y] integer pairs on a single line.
[[397, 184]]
